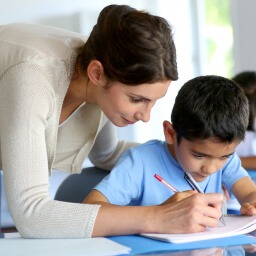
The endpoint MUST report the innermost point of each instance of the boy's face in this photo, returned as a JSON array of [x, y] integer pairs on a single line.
[[200, 158]]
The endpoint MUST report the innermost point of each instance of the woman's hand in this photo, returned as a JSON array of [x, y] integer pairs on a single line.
[[191, 214], [179, 196]]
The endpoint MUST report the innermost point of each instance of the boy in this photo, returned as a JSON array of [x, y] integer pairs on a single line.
[[209, 119]]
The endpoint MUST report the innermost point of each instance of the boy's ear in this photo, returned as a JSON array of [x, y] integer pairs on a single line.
[[95, 71], [169, 132]]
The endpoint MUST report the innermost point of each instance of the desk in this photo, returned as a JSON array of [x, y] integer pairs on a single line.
[[252, 174], [145, 246]]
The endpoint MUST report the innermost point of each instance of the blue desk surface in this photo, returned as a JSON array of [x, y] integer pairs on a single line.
[[252, 173], [142, 245], [233, 246]]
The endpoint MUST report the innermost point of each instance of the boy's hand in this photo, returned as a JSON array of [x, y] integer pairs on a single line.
[[179, 196], [248, 208]]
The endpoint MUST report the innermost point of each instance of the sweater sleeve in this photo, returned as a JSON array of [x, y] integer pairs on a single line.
[[27, 102]]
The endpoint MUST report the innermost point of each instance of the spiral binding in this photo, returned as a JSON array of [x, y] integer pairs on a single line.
[[236, 215]]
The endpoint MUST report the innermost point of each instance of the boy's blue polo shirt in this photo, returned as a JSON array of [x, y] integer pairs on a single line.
[[132, 181]]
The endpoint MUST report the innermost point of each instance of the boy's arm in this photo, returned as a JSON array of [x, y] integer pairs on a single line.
[[245, 192], [95, 197]]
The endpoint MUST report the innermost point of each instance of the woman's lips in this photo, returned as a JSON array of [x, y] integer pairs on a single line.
[[129, 122]]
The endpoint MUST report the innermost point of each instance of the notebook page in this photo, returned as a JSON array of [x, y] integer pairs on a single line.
[[235, 225]]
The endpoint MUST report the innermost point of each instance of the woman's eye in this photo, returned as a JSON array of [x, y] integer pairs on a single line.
[[136, 100]]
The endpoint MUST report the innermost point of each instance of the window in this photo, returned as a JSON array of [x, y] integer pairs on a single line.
[[218, 38]]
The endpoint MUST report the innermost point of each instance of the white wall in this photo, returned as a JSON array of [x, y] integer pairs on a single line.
[[244, 21]]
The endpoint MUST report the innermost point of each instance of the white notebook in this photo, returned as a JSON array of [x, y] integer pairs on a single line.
[[235, 225]]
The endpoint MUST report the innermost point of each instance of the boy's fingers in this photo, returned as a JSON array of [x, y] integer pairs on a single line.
[[248, 208], [253, 204]]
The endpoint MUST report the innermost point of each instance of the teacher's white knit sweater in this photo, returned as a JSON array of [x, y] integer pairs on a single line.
[[36, 65]]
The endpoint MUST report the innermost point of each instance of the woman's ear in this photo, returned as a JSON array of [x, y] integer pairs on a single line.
[[169, 132], [95, 71]]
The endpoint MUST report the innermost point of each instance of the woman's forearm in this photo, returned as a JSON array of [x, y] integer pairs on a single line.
[[191, 214]]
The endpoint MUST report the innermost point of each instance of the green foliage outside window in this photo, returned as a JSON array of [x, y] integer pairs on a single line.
[[219, 38]]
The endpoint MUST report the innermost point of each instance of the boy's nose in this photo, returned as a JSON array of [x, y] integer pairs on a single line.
[[210, 169]]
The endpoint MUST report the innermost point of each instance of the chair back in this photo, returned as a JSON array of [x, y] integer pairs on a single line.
[[77, 186]]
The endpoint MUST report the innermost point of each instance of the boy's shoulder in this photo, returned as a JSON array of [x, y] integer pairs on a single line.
[[151, 147], [149, 144]]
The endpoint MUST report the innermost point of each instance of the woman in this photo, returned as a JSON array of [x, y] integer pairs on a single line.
[[60, 99]]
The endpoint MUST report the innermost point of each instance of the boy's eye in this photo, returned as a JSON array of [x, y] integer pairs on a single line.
[[202, 156], [225, 157], [199, 156]]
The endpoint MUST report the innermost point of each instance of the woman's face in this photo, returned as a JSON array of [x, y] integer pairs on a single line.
[[125, 104]]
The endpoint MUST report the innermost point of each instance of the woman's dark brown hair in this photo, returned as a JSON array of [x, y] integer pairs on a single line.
[[133, 46]]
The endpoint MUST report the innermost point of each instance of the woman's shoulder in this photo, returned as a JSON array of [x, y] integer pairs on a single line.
[[35, 43], [34, 33]]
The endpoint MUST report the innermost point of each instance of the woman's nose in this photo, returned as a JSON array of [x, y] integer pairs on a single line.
[[144, 115]]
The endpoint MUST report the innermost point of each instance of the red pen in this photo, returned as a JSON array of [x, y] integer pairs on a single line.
[[166, 183]]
